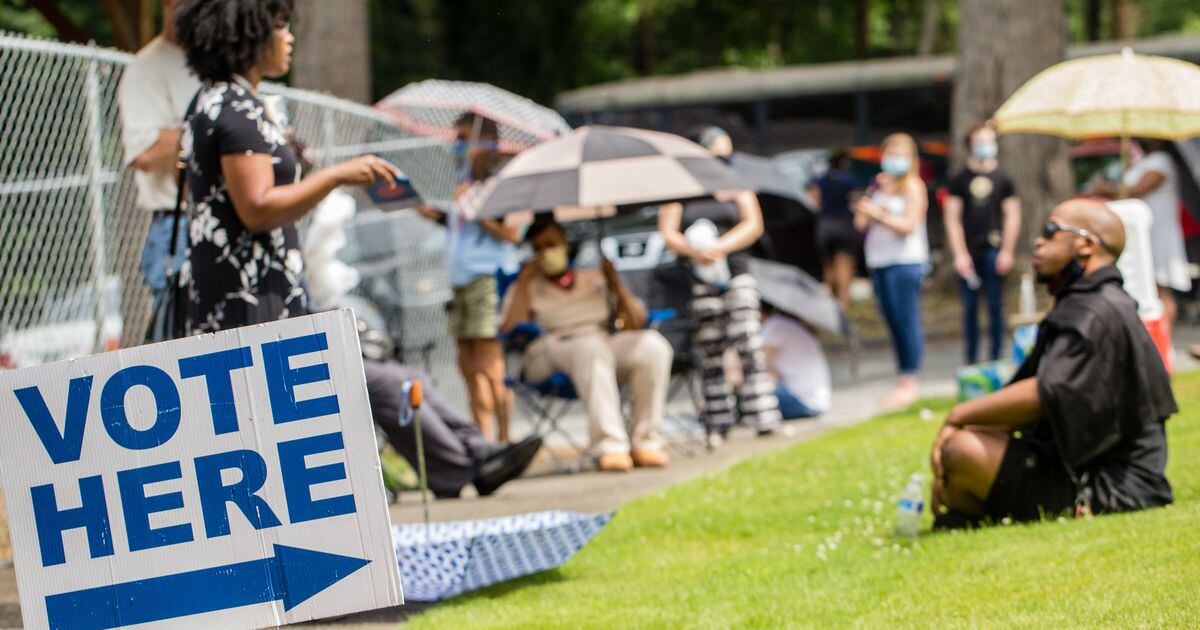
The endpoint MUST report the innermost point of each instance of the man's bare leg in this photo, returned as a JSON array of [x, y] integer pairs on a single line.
[[970, 461]]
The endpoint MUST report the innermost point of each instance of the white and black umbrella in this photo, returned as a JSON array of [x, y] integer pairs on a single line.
[[769, 181], [789, 289], [602, 168], [431, 108]]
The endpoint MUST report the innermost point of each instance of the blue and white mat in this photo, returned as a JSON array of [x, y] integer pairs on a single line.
[[451, 558]]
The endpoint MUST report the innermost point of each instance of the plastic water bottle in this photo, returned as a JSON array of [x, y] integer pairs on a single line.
[[703, 235], [908, 508], [973, 281], [1028, 298]]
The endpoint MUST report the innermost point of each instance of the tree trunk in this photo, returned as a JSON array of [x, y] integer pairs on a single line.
[[1001, 45], [132, 22], [644, 57], [66, 28], [930, 16], [333, 51], [862, 15], [1124, 19], [1091, 21]]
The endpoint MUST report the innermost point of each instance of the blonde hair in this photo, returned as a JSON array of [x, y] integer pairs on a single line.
[[906, 142]]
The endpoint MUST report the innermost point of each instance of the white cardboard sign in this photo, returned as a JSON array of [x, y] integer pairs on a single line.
[[228, 480]]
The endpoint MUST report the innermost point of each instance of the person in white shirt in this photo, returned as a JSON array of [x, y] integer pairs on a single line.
[[897, 250], [1153, 178], [797, 362], [154, 92]]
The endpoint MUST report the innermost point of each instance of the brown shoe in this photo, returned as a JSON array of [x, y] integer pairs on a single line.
[[615, 462], [651, 458]]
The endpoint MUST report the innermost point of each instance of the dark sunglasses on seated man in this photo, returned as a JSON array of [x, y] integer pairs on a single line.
[[1050, 228]]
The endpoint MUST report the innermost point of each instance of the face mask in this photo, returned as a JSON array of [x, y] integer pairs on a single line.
[[984, 150], [1059, 282], [554, 261], [896, 164]]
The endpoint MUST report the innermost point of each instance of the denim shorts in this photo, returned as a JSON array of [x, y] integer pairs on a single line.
[[157, 251]]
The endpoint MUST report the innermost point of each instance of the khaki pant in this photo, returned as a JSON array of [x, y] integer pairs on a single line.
[[596, 362]]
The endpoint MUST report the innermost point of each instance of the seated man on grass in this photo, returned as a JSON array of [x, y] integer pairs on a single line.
[[1080, 428]]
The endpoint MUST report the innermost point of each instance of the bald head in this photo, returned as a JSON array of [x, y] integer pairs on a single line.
[[1096, 218]]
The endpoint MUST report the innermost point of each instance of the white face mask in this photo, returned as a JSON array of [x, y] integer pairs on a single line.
[[896, 164], [984, 150]]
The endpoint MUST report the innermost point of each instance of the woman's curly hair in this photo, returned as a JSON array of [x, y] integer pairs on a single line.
[[226, 37]]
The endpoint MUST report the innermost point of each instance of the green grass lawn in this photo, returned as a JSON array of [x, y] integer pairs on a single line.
[[801, 537]]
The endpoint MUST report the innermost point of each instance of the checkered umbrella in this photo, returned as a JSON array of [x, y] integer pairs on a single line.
[[598, 167], [430, 108], [442, 560]]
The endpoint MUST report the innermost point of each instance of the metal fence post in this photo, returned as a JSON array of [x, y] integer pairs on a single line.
[[330, 132], [95, 176]]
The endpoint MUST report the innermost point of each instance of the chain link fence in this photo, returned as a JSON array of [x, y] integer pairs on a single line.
[[71, 235]]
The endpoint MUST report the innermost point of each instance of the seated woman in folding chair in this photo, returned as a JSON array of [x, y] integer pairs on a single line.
[[577, 309]]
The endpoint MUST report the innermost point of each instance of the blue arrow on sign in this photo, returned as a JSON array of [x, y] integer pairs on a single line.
[[293, 575]]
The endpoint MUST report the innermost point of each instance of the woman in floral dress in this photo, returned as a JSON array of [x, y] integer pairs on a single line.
[[243, 182]]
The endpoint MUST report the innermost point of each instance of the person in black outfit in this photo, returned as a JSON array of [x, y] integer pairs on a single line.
[[838, 241], [245, 195], [725, 315], [983, 220], [456, 451], [1081, 427]]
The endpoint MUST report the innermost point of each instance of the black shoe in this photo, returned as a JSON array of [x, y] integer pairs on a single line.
[[446, 494], [506, 464]]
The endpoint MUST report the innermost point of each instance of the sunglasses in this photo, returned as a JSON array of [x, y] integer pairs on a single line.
[[1050, 228]]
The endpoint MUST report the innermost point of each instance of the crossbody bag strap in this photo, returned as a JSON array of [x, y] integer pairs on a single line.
[[181, 177]]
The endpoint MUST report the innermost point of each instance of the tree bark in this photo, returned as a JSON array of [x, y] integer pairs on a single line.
[[644, 57], [1001, 45], [862, 15], [930, 16], [1124, 19], [132, 22], [333, 51], [1091, 21], [66, 28]]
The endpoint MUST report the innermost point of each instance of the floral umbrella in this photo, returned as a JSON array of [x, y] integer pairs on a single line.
[[1125, 95]]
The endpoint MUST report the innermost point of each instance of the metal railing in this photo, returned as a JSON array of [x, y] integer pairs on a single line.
[[71, 235]]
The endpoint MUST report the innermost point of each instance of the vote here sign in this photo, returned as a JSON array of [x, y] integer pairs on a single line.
[[228, 480]]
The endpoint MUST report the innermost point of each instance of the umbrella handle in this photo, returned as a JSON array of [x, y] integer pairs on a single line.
[[415, 395]]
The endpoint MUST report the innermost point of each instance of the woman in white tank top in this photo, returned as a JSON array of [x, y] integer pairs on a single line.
[[897, 251]]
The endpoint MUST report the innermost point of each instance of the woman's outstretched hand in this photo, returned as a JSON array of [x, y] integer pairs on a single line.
[[365, 170]]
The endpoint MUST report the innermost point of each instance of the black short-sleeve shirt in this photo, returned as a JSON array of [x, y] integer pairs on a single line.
[[236, 277], [982, 195], [725, 216]]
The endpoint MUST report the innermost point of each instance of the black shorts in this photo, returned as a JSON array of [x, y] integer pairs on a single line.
[[1029, 484], [838, 236]]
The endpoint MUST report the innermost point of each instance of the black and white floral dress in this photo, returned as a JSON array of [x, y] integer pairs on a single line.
[[236, 277]]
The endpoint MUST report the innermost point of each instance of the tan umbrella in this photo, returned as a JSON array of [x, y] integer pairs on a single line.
[[595, 168], [1121, 95]]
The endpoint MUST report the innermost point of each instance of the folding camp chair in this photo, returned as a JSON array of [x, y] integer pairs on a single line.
[[547, 401], [682, 430]]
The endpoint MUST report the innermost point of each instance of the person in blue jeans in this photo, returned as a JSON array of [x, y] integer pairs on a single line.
[[892, 213], [154, 92], [156, 254], [983, 220]]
